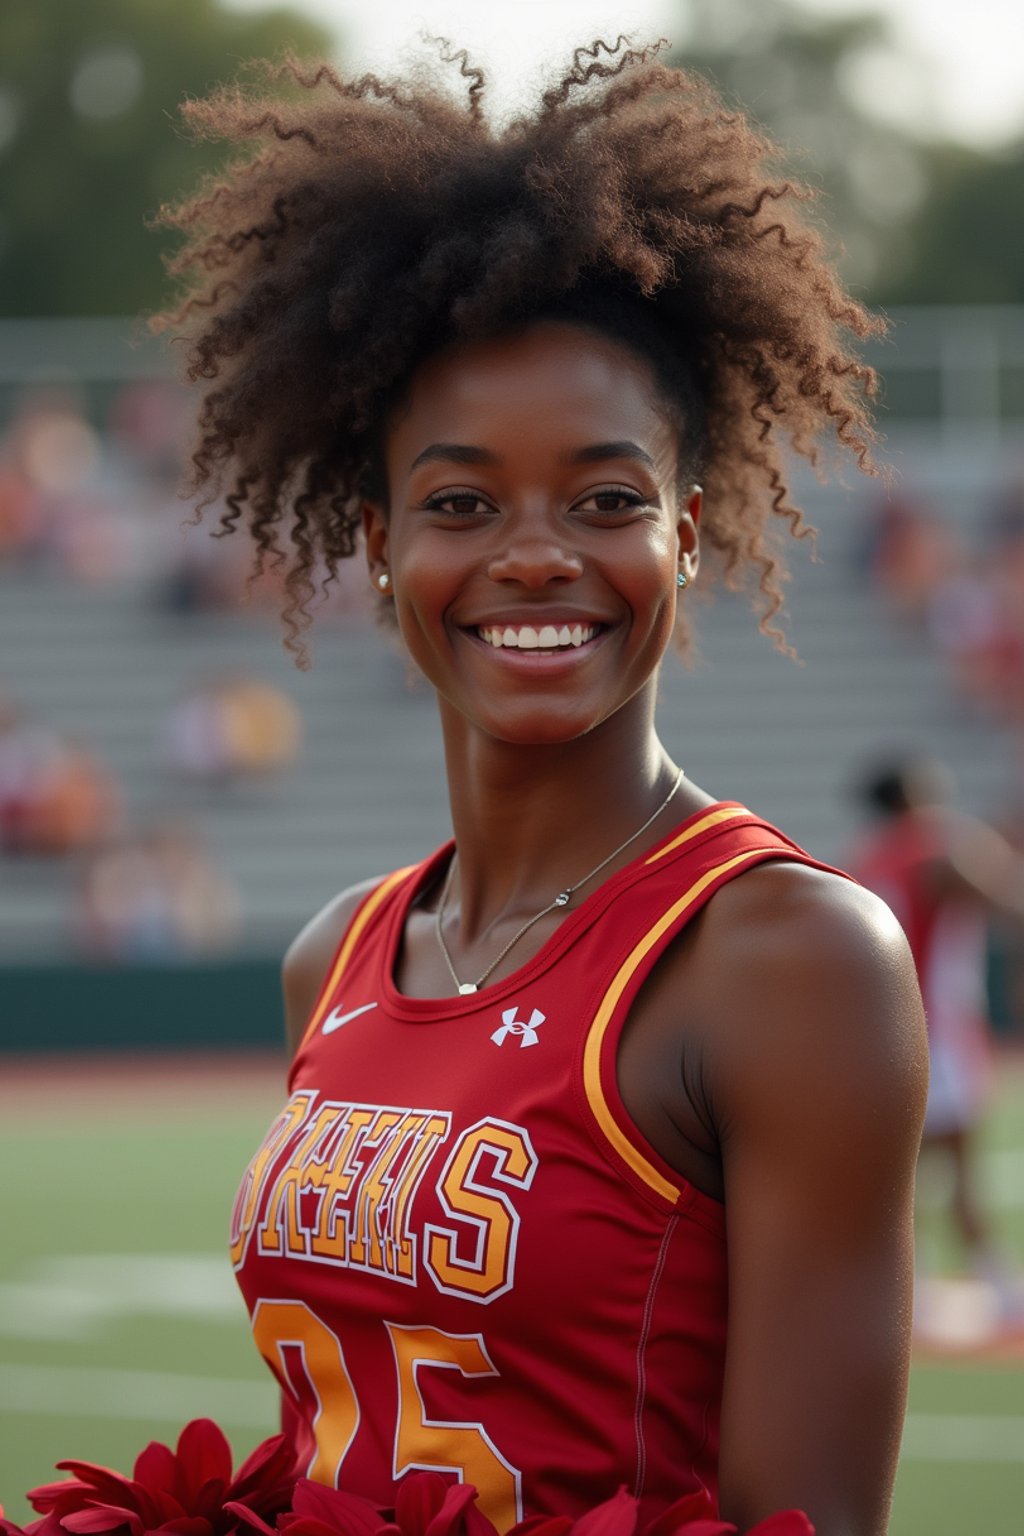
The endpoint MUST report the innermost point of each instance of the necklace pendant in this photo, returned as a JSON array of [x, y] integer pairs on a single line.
[[466, 988]]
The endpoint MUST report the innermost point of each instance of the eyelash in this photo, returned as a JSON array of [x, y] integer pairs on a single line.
[[632, 499], [439, 501]]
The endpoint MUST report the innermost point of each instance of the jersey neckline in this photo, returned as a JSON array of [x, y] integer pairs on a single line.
[[426, 1009]]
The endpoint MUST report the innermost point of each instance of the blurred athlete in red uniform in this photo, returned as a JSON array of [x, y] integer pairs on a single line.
[[942, 873], [598, 1163]]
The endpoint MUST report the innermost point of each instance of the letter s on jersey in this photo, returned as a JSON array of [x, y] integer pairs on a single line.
[[476, 1257]]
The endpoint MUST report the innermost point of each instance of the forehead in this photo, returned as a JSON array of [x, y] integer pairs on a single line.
[[550, 381]]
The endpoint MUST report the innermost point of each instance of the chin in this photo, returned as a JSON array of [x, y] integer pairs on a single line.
[[539, 729]]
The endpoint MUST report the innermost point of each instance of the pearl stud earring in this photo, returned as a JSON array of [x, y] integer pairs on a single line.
[[383, 581]]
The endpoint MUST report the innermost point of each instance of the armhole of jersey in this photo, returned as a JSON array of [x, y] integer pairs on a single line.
[[622, 1142], [362, 916]]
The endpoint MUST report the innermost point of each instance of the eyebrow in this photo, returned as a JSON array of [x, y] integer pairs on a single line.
[[466, 453], [620, 450], [455, 453]]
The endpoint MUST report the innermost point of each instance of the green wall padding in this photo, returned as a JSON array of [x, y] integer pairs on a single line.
[[78, 1008]]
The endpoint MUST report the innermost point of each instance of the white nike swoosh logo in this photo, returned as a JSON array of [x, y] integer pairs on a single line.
[[335, 1020]]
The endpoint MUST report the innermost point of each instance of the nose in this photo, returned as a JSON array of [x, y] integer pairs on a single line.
[[534, 559]]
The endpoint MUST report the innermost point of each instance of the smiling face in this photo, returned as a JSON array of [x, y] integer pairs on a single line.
[[535, 530]]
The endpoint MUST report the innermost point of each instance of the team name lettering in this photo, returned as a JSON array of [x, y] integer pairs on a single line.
[[477, 1256], [247, 1199], [336, 1183]]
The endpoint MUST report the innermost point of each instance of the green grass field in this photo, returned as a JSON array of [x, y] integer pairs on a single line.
[[119, 1319]]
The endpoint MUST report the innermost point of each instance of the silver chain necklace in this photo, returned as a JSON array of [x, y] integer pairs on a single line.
[[561, 900]]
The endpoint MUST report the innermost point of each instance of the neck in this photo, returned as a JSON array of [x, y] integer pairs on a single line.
[[530, 821]]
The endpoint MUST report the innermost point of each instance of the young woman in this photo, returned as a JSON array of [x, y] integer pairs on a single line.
[[598, 1160]]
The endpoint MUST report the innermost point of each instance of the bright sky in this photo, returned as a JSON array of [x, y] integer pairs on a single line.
[[973, 46]]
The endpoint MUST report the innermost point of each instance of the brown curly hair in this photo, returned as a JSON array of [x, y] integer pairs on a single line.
[[378, 220]]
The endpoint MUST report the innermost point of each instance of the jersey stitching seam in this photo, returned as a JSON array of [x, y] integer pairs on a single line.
[[641, 1362]]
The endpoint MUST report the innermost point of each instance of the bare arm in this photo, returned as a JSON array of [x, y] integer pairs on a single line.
[[981, 865], [819, 1079], [309, 955]]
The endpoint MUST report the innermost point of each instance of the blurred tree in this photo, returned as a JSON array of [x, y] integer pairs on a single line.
[[837, 95], [89, 91], [968, 243]]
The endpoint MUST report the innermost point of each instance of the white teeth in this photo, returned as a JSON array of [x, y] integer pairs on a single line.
[[547, 638]]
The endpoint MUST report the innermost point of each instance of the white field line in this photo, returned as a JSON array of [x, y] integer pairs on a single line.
[[165, 1397]]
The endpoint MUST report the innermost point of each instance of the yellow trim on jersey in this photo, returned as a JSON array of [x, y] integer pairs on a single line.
[[629, 1153], [356, 927], [712, 819]]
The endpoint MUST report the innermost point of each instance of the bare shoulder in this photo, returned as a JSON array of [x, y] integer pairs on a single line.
[[813, 990], [794, 914], [311, 952]]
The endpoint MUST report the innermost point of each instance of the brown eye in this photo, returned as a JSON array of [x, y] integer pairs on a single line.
[[611, 499], [458, 503]]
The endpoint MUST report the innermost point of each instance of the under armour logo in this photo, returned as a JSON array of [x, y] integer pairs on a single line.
[[514, 1026]]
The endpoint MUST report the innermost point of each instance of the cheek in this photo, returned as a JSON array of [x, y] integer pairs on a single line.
[[657, 587], [654, 567], [426, 583]]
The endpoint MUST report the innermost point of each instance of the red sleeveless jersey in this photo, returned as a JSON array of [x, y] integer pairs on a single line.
[[458, 1252]]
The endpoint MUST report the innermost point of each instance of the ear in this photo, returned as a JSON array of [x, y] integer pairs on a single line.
[[375, 531], [690, 507]]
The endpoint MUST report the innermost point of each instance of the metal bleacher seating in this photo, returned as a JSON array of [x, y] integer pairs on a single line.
[[104, 664], [104, 661]]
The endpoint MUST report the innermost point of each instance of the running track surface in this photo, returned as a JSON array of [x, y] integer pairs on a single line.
[[170, 1083]]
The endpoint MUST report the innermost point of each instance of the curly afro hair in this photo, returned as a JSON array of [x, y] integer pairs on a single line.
[[377, 221]]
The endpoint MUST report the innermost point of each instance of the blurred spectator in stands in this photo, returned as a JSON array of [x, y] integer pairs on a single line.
[[204, 574], [56, 478], [1006, 521], [232, 728], [262, 726], [977, 618], [943, 874], [157, 896], [1006, 949], [1006, 565], [964, 623], [51, 441], [21, 512], [55, 795], [910, 552], [147, 424]]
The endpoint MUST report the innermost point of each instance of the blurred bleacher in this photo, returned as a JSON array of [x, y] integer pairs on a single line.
[[103, 661]]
